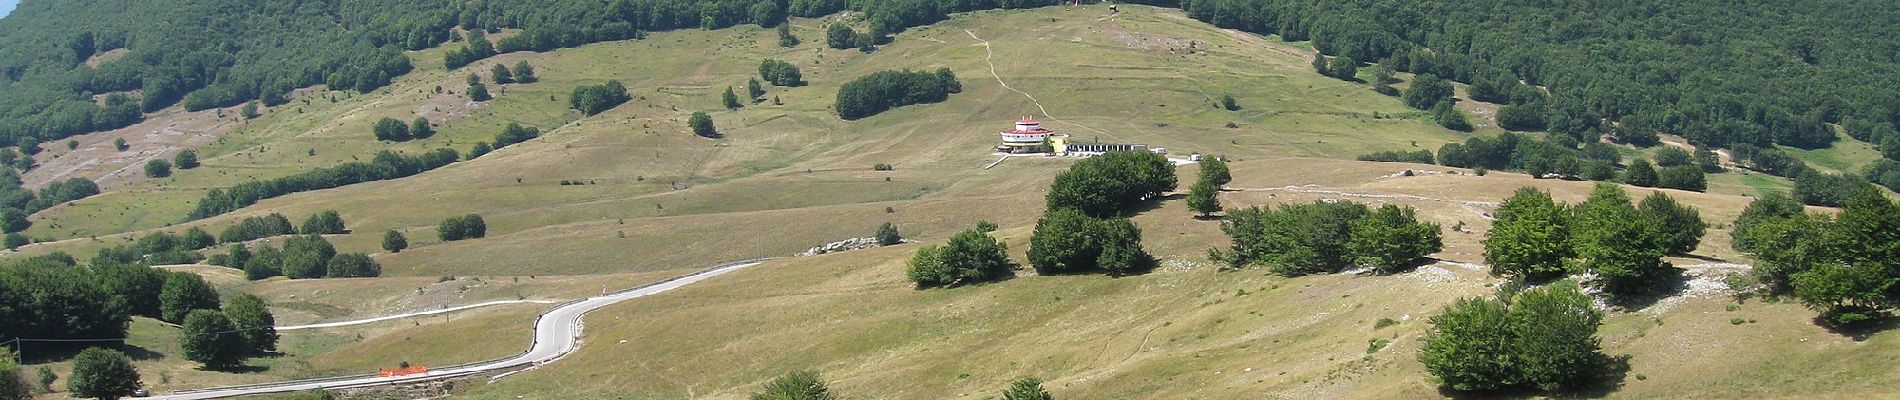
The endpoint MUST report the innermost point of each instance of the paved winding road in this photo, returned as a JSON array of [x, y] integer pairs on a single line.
[[556, 334], [407, 315]]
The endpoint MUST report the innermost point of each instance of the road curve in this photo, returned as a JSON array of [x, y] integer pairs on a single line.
[[407, 315], [556, 334]]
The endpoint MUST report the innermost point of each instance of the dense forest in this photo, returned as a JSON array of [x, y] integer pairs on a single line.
[[1716, 72], [205, 54]]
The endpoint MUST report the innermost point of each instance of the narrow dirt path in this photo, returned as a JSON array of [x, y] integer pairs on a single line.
[[990, 54]]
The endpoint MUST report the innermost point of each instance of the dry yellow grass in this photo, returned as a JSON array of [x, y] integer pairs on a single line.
[[1183, 331]]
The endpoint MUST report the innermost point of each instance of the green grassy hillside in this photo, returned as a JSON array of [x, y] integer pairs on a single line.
[[659, 201], [1079, 64]]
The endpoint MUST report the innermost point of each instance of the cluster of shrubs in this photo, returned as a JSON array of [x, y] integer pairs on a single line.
[[1082, 228], [1535, 238], [1840, 264], [807, 385], [1068, 241], [780, 73], [478, 91], [17, 202], [702, 125], [523, 73], [1107, 184], [252, 228], [469, 226], [839, 36], [513, 133], [1538, 339], [393, 130], [971, 256], [593, 99], [1203, 197], [1421, 156], [565, 182], [1326, 237], [1561, 156], [884, 90], [160, 248], [386, 165], [302, 257], [185, 159]]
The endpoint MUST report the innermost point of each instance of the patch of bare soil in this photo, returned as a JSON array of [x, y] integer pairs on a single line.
[[1486, 113], [453, 103], [157, 138], [105, 57], [1138, 40]]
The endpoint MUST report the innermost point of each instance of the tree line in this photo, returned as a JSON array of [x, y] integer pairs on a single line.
[[386, 165], [17, 202], [1562, 157], [884, 90], [1327, 237]]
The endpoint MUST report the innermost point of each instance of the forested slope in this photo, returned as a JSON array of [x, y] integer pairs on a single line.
[[1716, 72]]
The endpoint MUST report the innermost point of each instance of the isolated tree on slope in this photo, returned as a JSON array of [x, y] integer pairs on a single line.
[[702, 125], [887, 235], [1214, 170], [394, 242], [1202, 199], [731, 100]]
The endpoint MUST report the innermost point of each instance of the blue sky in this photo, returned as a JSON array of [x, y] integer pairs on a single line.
[[6, 6]]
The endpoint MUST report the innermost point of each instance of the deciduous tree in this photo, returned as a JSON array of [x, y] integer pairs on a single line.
[[102, 373], [210, 339], [394, 241], [1391, 238], [255, 325], [183, 293]]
